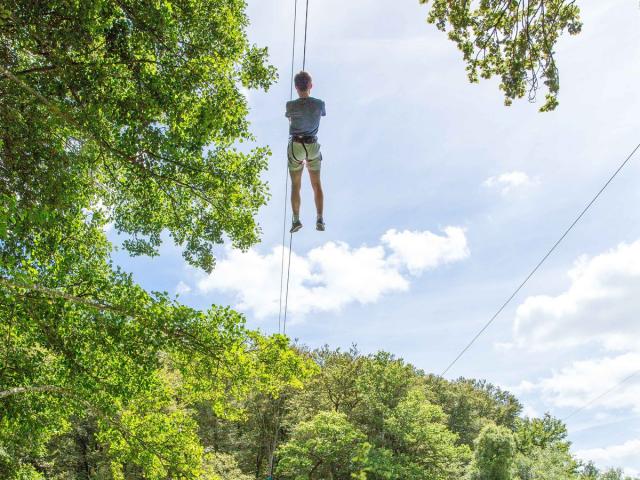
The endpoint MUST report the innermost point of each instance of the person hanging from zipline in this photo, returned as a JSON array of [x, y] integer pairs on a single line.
[[304, 121]]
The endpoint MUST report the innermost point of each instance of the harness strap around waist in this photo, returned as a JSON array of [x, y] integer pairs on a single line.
[[304, 140]]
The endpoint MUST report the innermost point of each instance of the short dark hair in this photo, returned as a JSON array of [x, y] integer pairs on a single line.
[[302, 81]]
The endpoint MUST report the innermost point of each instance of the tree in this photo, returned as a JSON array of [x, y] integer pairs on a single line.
[[549, 463], [384, 382], [137, 376], [472, 404], [325, 447], [134, 108], [221, 466], [614, 474], [419, 445], [544, 450], [589, 471], [336, 385], [514, 40], [542, 433], [124, 114], [494, 454], [385, 399]]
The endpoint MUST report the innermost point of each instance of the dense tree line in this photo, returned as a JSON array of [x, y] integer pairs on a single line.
[[356, 416], [376, 417]]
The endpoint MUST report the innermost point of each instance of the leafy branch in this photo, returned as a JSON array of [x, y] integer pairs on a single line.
[[514, 40]]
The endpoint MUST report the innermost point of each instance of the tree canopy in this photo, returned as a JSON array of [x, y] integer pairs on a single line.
[[512, 39], [134, 109]]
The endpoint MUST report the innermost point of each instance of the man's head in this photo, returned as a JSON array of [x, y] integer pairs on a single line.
[[303, 83]]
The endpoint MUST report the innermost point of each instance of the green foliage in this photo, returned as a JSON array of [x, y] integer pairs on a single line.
[[588, 471], [494, 455], [419, 444], [614, 474], [385, 399], [327, 446], [510, 39], [135, 108], [544, 450], [383, 383], [126, 115], [221, 466], [549, 463], [541, 433], [472, 404]]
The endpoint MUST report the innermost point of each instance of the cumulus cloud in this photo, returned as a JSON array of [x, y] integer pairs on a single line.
[[510, 181], [621, 454], [335, 274], [600, 306], [579, 383], [421, 251]]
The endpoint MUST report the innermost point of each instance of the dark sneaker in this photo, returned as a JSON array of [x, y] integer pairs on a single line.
[[320, 225], [295, 226]]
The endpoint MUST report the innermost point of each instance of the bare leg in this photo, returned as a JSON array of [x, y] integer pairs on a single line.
[[296, 183], [318, 195]]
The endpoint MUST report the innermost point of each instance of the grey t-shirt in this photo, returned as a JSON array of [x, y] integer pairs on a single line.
[[304, 116]]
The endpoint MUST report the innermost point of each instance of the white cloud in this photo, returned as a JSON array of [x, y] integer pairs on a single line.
[[581, 382], [421, 251], [182, 288], [600, 307], [510, 181], [335, 274], [621, 454]]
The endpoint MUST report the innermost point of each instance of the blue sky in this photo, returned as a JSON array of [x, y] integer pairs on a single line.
[[439, 200]]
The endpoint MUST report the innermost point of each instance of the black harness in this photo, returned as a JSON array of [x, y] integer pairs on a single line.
[[304, 141]]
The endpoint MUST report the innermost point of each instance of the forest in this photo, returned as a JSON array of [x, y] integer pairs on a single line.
[[127, 116]]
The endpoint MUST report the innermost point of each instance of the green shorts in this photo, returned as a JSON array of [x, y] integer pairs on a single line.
[[298, 153]]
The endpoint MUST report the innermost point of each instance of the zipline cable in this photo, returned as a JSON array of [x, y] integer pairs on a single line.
[[282, 320], [293, 47], [517, 290], [601, 396]]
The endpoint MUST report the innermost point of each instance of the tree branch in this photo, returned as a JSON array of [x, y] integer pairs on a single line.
[[35, 389]]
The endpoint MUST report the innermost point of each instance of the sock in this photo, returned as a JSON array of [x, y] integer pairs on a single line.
[[319, 218], [296, 218]]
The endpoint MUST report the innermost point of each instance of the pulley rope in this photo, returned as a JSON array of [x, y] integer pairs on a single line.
[[286, 173], [537, 267], [306, 24], [282, 320]]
